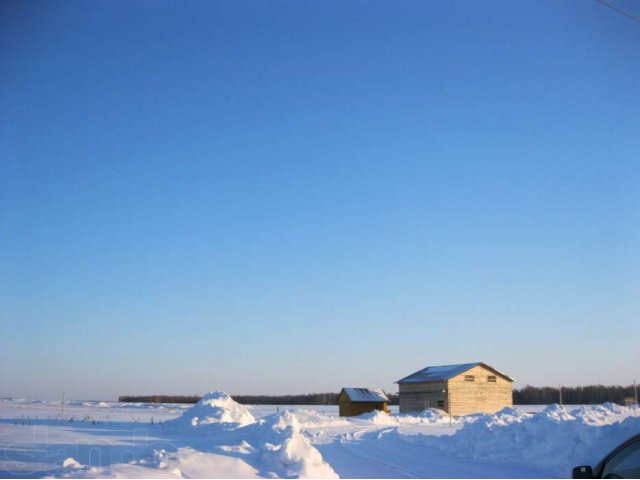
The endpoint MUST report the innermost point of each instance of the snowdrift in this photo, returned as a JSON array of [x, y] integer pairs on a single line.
[[215, 409], [427, 417], [284, 451], [308, 418], [272, 447], [554, 439], [236, 445], [219, 437]]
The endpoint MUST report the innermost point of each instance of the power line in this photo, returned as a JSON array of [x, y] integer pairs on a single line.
[[619, 10]]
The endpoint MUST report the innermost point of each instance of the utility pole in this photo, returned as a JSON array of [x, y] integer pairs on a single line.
[[560, 391], [449, 405], [635, 390], [62, 405]]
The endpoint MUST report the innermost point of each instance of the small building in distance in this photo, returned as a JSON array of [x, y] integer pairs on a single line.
[[356, 401], [457, 389]]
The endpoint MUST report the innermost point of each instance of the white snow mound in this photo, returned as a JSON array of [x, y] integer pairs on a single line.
[[377, 417], [285, 451], [426, 417], [71, 462], [563, 439], [215, 408]]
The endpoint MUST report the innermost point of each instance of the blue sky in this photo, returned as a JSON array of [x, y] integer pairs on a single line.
[[285, 197]]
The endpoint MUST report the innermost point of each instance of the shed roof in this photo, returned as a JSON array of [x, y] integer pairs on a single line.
[[445, 372], [365, 394]]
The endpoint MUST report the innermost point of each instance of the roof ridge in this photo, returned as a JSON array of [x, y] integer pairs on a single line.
[[445, 372], [365, 394]]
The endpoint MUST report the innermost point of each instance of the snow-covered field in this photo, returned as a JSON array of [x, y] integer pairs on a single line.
[[220, 438]]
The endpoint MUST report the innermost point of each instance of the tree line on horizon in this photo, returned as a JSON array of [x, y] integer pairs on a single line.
[[580, 395], [303, 399], [528, 395]]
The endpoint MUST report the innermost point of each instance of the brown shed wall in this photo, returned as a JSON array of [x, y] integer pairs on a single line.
[[351, 409]]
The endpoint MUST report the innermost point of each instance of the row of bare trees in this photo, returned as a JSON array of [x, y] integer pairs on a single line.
[[303, 399], [527, 395], [159, 398], [581, 395]]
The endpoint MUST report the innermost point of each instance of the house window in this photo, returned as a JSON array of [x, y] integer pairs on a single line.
[[440, 403], [491, 379], [469, 378]]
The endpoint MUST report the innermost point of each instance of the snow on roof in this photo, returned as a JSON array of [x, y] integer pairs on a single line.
[[444, 372], [365, 394]]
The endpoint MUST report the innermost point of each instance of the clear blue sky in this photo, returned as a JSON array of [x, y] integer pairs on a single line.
[[284, 197]]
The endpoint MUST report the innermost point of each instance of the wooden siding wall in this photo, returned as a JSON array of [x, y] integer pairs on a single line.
[[479, 395], [465, 397], [350, 409], [416, 397]]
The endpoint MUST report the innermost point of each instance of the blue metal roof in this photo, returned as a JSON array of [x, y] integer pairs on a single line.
[[444, 372]]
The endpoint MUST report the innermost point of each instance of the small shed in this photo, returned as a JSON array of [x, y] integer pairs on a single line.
[[356, 401]]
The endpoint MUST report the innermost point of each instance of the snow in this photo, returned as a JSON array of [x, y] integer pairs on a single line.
[[436, 373], [366, 394], [554, 438], [444, 372], [219, 438], [215, 409], [284, 451]]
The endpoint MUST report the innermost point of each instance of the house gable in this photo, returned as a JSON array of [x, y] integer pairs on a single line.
[[479, 375]]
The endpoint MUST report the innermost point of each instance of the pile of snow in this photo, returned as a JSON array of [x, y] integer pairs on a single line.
[[187, 462], [432, 413], [426, 417], [431, 416], [214, 409], [312, 418], [376, 417], [70, 463], [554, 438], [274, 446], [504, 417], [284, 451], [142, 469], [604, 414], [556, 413], [308, 443]]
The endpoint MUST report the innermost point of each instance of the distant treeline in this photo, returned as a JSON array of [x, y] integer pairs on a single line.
[[527, 395], [159, 398], [572, 395], [304, 399]]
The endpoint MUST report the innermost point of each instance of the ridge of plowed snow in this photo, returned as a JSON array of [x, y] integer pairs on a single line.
[[558, 436], [378, 417]]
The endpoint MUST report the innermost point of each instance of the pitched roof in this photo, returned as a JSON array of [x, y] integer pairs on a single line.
[[365, 394], [445, 372]]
